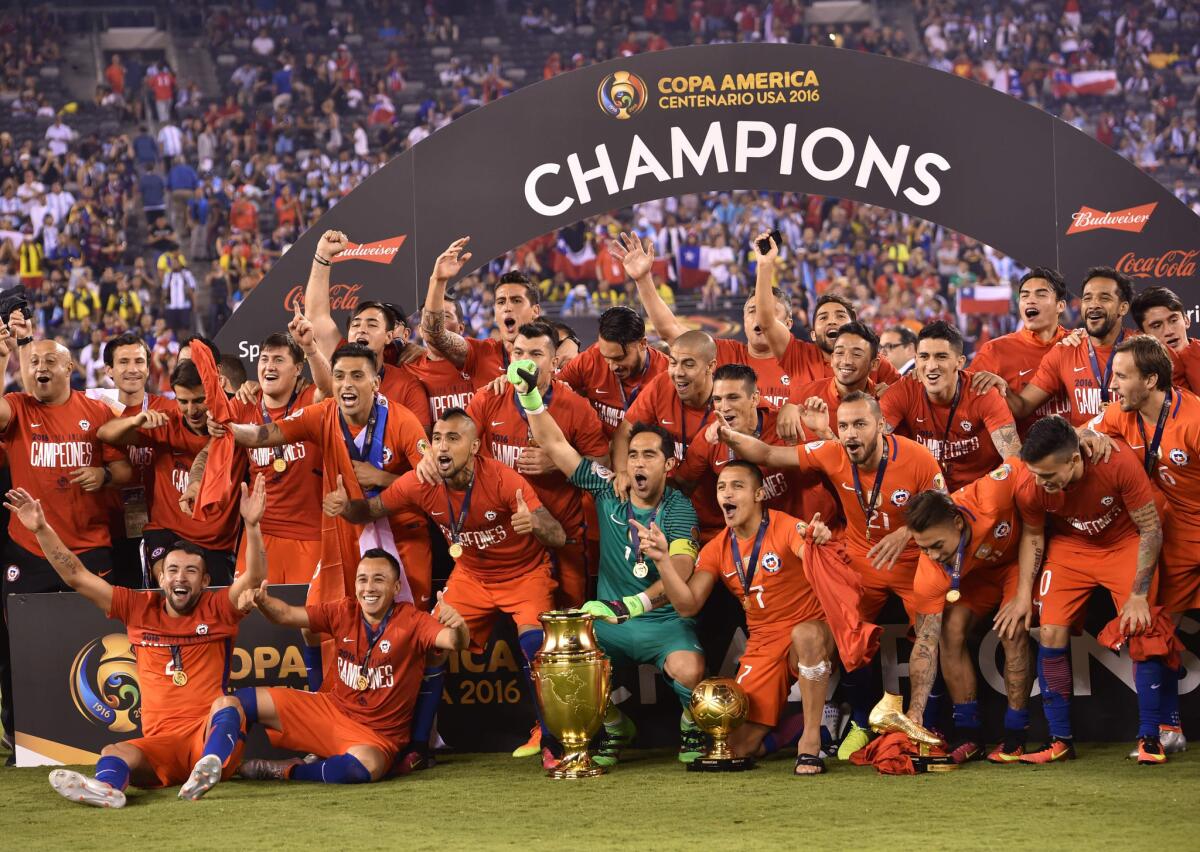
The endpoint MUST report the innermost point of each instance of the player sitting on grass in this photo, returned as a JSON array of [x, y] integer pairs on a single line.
[[360, 724], [629, 584], [192, 731]]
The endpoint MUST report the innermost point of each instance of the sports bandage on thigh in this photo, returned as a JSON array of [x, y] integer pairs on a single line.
[[820, 670]]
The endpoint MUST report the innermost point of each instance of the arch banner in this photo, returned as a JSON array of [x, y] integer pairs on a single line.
[[720, 117]]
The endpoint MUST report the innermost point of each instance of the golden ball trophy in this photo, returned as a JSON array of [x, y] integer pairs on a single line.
[[571, 677], [719, 706], [888, 717]]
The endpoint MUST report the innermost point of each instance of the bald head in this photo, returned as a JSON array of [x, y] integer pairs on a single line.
[[697, 343], [690, 365], [50, 363]]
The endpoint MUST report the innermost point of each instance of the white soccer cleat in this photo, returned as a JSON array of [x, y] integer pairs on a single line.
[[205, 775], [1172, 739], [87, 791]]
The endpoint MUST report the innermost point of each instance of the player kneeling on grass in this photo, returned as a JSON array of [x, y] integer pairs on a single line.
[[193, 731], [758, 557], [361, 723]]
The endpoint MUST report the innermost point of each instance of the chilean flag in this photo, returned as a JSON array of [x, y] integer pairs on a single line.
[[576, 264], [985, 300], [1086, 83]]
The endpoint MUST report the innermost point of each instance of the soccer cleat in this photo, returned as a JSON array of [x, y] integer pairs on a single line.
[[1150, 752], [1172, 739], [856, 739], [613, 738], [205, 775], [966, 751], [692, 742], [533, 745], [267, 770], [1051, 752], [1000, 756], [414, 760], [87, 791], [549, 761]]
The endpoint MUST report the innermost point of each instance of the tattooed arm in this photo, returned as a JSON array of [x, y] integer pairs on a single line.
[[451, 346], [1135, 615], [1016, 615], [923, 664], [253, 434], [1006, 441], [546, 529]]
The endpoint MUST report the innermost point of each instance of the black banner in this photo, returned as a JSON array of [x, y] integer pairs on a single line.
[[721, 117]]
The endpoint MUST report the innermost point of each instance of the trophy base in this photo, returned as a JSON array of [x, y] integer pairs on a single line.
[[721, 764], [576, 765]]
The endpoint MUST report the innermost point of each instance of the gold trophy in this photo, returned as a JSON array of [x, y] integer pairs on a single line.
[[571, 677], [888, 717], [719, 706]]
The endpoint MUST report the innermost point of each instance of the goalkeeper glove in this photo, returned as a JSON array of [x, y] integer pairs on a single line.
[[523, 376], [617, 612]]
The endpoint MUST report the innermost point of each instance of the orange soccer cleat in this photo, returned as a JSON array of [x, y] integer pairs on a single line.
[[1150, 752], [1000, 756], [1051, 752]]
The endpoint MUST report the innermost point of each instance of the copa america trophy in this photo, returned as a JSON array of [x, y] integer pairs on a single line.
[[571, 677], [719, 706], [888, 717]]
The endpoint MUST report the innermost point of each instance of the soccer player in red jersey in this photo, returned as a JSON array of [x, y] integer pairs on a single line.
[[505, 436], [498, 532], [968, 568], [192, 732], [365, 443], [855, 350], [873, 475], [359, 725], [1082, 373], [1158, 312], [611, 373], [737, 404], [372, 324], [179, 440], [515, 304], [968, 432], [758, 559], [1161, 424], [1041, 299], [1106, 533]]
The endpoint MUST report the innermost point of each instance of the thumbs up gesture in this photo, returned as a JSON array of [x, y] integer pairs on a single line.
[[335, 502], [522, 519]]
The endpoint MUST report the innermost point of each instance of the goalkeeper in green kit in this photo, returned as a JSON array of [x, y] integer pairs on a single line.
[[635, 623]]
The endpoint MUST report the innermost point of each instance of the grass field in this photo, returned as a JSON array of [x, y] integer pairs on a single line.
[[495, 802]]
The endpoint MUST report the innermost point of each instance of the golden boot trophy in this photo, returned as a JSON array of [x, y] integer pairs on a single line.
[[888, 717], [571, 677], [719, 706]]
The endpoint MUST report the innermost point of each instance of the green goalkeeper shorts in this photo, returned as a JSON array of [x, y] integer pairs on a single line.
[[646, 640]]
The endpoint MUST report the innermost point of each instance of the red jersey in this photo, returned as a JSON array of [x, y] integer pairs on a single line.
[[203, 639], [504, 433], [589, 375], [491, 549], [445, 385], [774, 382], [292, 494], [804, 362], [1093, 512], [1068, 371], [175, 447], [788, 489], [1177, 470], [827, 390], [1187, 366], [401, 386], [911, 469], [393, 669], [45, 443], [1015, 358], [486, 360], [779, 595], [142, 458], [959, 436]]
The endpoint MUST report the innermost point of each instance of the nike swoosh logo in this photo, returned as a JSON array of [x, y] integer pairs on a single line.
[[347, 640], [1024, 372], [497, 422], [721, 462], [232, 739], [1155, 685], [920, 419], [613, 518], [667, 423], [729, 574], [848, 487], [35, 425], [437, 513], [599, 391], [1080, 369], [1137, 446]]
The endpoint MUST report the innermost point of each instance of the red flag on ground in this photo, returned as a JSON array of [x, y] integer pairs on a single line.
[[216, 487], [1160, 640], [839, 590]]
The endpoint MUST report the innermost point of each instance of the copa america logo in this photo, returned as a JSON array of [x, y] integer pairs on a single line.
[[104, 684], [622, 94]]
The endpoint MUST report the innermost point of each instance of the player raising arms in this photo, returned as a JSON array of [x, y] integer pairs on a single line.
[[968, 567], [967, 431], [635, 624], [1161, 424], [192, 732], [1159, 313], [873, 475], [1106, 533], [498, 532], [361, 723]]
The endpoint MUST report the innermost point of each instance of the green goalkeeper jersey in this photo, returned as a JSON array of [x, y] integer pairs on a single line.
[[618, 561]]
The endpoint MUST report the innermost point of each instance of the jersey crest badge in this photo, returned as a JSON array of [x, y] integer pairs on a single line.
[[490, 515], [1179, 457], [85, 425], [601, 471], [1106, 501], [900, 497], [12, 574], [771, 563], [1001, 473], [385, 646], [966, 425], [1002, 529], [201, 629]]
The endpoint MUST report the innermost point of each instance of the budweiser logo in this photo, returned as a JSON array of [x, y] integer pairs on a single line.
[[383, 251], [342, 297], [1131, 219], [1175, 263]]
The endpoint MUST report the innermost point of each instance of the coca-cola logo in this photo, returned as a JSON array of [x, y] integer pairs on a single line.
[[1131, 219], [342, 297], [381, 251], [1176, 263]]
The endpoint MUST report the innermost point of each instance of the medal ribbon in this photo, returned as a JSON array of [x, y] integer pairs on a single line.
[[941, 453], [955, 569], [177, 660], [635, 538], [684, 439], [1103, 378], [456, 525], [266, 415], [374, 640], [372, 444], [868, 508], [746, 574], [627, 401], [1152, 446]]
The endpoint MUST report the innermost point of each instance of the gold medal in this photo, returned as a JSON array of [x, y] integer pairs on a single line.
[[361, 683], [179, 678], [280, 465], [456, 550], [953, 595], [746, 604]]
